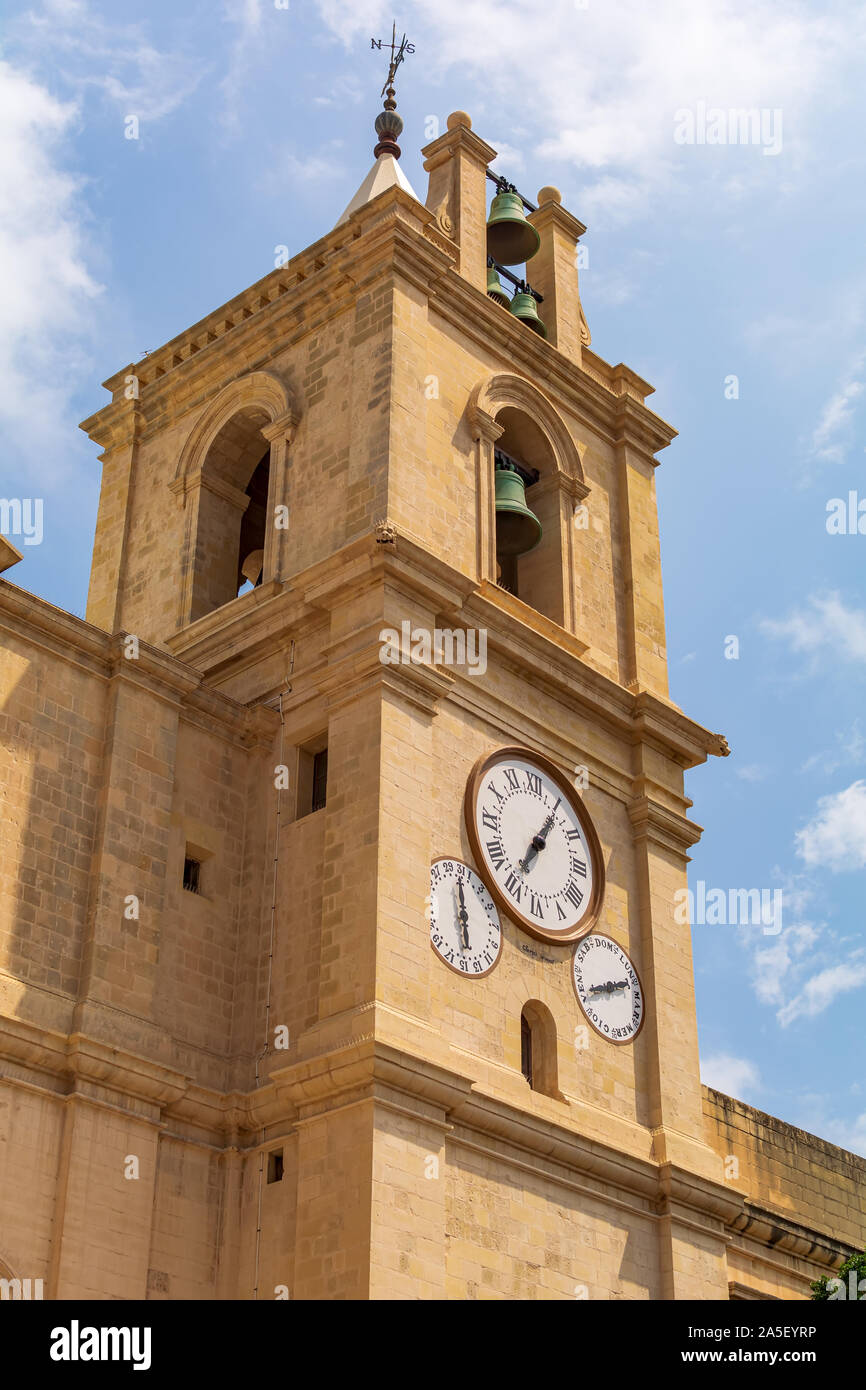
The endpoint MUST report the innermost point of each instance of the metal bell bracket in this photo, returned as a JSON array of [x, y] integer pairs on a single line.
[[503, 186], [520, 285]]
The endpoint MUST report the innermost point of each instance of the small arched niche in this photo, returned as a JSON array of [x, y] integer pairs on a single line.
[[538, 1053], [232, 513]]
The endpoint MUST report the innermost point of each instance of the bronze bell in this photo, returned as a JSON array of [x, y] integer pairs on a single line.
[[511, 240], [495, 290], [517, 528], [523, 308]]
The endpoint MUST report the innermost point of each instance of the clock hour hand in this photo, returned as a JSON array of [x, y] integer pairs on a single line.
[[463, 918], [539, 841], [608, 987]]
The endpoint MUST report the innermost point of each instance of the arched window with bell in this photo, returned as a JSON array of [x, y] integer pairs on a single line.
[[231, 480], [529, 479]]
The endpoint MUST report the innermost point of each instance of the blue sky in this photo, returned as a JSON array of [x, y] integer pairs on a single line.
[[706, 261]]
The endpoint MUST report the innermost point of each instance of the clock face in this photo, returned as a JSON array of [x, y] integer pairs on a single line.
[[465, 930], [608, 989], [535, 845]]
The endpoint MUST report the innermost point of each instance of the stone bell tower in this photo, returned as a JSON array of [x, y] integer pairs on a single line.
[[233, 1067]]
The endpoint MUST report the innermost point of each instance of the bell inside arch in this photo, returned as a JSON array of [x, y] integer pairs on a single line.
[[495, 290], [523, 307], [511, 240], [518, 529]]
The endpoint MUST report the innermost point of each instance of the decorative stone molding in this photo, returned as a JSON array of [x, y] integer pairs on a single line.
[[503, 389], [260, 389]]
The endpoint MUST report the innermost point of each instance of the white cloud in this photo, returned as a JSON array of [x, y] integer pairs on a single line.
[[88, 52], [606, 83], [837, 416], [751, 772], [47, 286], [823, 622], [835, 838], [775, 965], [850, 751], [821, 990], [734, 1076]]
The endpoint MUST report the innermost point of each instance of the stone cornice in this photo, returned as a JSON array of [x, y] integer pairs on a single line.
[[662, 826], [103, 655], [458, 137], [596, 396], [555, 214], [770, 1228], [360, 1067], [517, 634], [295, 299], [321, 282]]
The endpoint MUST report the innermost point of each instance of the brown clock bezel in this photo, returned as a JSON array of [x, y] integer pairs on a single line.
[[479, 771], [464, 974], [617, 1042]]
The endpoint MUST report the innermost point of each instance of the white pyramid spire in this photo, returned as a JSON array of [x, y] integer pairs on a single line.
[[385, 173]]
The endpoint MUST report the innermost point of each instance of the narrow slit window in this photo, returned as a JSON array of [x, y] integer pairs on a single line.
[[192, 875], [275, 1165], [526, 1047], [320, 780]]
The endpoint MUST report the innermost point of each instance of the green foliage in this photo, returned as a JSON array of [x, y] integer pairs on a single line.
[[821, 1290]]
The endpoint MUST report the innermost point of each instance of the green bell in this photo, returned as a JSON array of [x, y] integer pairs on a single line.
[[523, 308], [511, 240], [495, 290], [517, 528]]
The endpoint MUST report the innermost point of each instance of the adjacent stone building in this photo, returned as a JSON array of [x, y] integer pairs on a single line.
[[231, 1065]]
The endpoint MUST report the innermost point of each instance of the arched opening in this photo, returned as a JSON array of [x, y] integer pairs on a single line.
[[232, 512], [538, 1060], [536, 576], [251, 551]]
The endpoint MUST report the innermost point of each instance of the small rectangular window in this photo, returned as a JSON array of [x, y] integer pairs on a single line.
[[320, 780], [275, 1165], [312, 776], [192, 875]]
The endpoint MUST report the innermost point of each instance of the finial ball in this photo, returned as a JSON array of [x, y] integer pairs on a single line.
[[549, 194], [458, 118]]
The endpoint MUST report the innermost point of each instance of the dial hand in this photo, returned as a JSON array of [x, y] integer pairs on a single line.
[[463, 917], [539, 841], [608, 987]]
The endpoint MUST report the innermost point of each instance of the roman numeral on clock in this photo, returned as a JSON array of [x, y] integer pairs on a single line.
[[535, 907], [574, 894], [496, 853], [534, 782], [514, 887], [489, 820], [578, 866], [511, 779]]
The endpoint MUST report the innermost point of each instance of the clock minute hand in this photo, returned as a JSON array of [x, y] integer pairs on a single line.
[[538, 842], [608, 987]]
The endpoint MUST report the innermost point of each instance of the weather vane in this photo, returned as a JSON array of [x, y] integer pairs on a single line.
[[398, 53]]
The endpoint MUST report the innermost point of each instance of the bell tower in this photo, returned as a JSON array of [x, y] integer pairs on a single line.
[[375, 641]]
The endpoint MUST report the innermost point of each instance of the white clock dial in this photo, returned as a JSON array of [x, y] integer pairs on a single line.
[[535, 844], [608, 989], [464, 925]]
